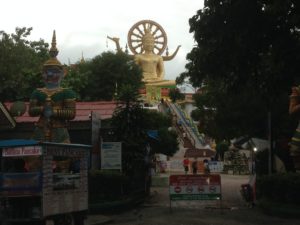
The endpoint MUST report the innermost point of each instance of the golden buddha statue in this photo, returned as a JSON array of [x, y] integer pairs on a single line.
[[54, 105], [147, 40], [151, 64]]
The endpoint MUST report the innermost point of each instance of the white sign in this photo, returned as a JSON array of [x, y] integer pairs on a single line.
[[111, 155], [22, 151], [215, 166]]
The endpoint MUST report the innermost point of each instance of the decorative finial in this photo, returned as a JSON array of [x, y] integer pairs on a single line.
[[126, 49], [82, 58], [53, 50], [167, 51]]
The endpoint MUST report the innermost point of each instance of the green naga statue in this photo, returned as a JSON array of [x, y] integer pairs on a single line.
[[54, 105]]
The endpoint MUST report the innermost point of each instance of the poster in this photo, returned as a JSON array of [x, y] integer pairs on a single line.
[[111, 155]]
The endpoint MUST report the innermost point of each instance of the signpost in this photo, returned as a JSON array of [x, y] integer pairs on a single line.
[[215, 166], [96, 125], [195, 187]]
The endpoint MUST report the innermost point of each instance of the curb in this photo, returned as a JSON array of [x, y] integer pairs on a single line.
[[98, 220]]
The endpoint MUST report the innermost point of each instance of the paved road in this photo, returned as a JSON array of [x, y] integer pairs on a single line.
[[156, 210]]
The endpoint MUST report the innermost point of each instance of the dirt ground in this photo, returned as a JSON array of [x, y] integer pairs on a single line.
[[234, 211]]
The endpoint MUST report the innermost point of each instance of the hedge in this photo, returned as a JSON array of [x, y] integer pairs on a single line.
[[279, 188]]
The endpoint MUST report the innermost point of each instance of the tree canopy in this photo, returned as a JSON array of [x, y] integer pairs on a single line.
[[106, 74], [20, 64], [175, 95], [246, 60], [131, 123]]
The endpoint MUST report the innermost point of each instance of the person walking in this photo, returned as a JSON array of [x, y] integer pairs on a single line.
[[186, 163], [195, 166]]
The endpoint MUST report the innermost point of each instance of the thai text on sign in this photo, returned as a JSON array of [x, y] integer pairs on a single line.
[[195, 187], [22, 151]]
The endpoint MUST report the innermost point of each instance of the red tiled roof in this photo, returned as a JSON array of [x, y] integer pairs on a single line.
[[83, 110]]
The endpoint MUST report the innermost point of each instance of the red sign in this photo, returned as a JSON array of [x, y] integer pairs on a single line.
[[195, 187], [22, 151]]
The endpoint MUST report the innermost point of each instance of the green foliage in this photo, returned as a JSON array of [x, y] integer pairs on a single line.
[[107, 73], [155, 120], [106, 185], [17, 108], [175, 95], [76, 78], [167, 142], [221, 148], [283, 188], [246, 59], [128, 94], [131, 123], [20, 64]]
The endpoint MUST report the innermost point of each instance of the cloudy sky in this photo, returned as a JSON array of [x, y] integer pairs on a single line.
[[83, 25]]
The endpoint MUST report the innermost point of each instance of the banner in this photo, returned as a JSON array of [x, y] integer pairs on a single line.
[[22, 151]]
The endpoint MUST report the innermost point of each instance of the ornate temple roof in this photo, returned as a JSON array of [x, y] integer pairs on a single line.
[[83, 110]]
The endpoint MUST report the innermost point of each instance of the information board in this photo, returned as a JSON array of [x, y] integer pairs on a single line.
[[111, 155], [195, 187]]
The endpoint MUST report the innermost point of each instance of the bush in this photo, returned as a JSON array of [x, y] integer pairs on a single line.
[[107, 185], [279, 188]]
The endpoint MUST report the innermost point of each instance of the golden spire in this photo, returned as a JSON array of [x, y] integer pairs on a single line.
[[53, 52], [82, 58]]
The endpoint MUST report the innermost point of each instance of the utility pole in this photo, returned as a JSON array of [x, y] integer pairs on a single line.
[[270, 143]]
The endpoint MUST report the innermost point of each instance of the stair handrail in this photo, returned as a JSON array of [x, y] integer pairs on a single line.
[[190, 124], [189, 132]]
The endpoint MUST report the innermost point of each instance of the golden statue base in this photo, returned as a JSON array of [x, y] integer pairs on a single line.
[[155, 91]]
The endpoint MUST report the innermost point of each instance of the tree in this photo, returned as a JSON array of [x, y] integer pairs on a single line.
[[108, 72], [131, 123], [246, 58], [77, 77], [20, 64], [166, 143], [221, 148], [175, 95]]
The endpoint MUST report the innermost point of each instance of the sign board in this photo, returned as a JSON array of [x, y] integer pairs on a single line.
[[22, 151], [111, 155], [195, 187], [215, 166], [21, 183], [65, 192]]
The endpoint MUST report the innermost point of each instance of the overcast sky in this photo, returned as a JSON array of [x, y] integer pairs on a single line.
[[83, 25]]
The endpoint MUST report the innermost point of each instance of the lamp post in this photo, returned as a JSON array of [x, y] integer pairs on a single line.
[[253, 160]]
